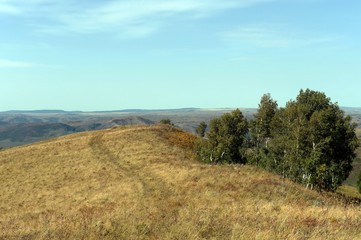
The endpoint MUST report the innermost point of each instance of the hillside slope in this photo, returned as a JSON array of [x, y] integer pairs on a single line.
[[143, 183], [17, 134]]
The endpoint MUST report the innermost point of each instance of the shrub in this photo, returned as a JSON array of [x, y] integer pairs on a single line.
[[166, 121], [226, 139], [359, 183]]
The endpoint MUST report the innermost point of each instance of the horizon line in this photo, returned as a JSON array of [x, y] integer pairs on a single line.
[[139, 109]]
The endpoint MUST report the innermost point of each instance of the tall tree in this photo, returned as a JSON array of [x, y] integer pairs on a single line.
[[313, 141], [261, 125], [227, 138], [332, 145], [201, 129]]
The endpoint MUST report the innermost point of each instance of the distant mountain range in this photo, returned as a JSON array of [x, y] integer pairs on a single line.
[[113, 111], [50, 111], [23, 127], [20, 130]]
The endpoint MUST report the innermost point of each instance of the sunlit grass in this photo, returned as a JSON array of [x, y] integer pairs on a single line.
[[349, 191], [358, 132], [143, 183]]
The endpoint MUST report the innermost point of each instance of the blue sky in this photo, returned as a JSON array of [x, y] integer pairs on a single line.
[[151, 54]]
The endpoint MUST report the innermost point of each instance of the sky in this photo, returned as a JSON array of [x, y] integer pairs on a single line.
[[162, 54]]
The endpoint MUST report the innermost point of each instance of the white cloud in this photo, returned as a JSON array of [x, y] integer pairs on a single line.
[[124, 17], [6, 8], [128, 17], [17, 7], [14, 64], [274, 37]]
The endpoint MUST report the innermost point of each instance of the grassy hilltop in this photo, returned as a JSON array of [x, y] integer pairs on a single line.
[[144, 183]]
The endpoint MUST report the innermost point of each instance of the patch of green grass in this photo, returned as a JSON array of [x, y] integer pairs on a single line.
[[349, 191], [353, 177]]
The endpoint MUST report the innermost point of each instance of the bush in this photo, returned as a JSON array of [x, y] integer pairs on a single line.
[[226, 139], [166, 121], [201, 129], [359, 183]]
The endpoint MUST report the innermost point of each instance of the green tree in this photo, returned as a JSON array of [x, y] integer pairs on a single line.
[[201, 129], [313, 141], [332, 136], [166, 121], [285, 145], [260, 133], [359, 183], [261, 125], [227, 138]]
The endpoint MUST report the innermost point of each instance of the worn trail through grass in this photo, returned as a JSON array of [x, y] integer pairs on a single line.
[[144, 183]]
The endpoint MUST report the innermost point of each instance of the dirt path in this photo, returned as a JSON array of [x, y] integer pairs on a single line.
[[154, 193]]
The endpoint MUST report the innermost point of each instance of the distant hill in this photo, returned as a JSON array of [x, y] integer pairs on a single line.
[[143, 183], [24, 133], [20, 130], [33, 111], [129, 121], [104, 124], [23, 127], [351, 109], [348, 110], [186, 118]]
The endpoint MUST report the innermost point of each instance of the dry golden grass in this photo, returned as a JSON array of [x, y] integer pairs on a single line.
[[358, 132], [143, 183]]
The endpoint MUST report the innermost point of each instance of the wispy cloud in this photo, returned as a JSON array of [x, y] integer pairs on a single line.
[[274, 37], [6, 8], [126, 17], [4, 63], [18, 7]]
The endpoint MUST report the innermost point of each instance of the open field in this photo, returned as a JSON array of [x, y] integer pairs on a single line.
[[144, 183]]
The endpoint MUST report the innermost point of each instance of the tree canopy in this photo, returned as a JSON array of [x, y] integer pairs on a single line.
[[166, 121], [201, 129], [226, 139], [310, 140], [313, 141]]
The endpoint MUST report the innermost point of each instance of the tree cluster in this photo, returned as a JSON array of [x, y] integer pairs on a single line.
[[310, 140], [201, 129], [166, 121], [225, 139]]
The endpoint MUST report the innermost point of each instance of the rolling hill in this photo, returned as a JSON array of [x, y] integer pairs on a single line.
[[24, 127], [143, 182], [14, 132]]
